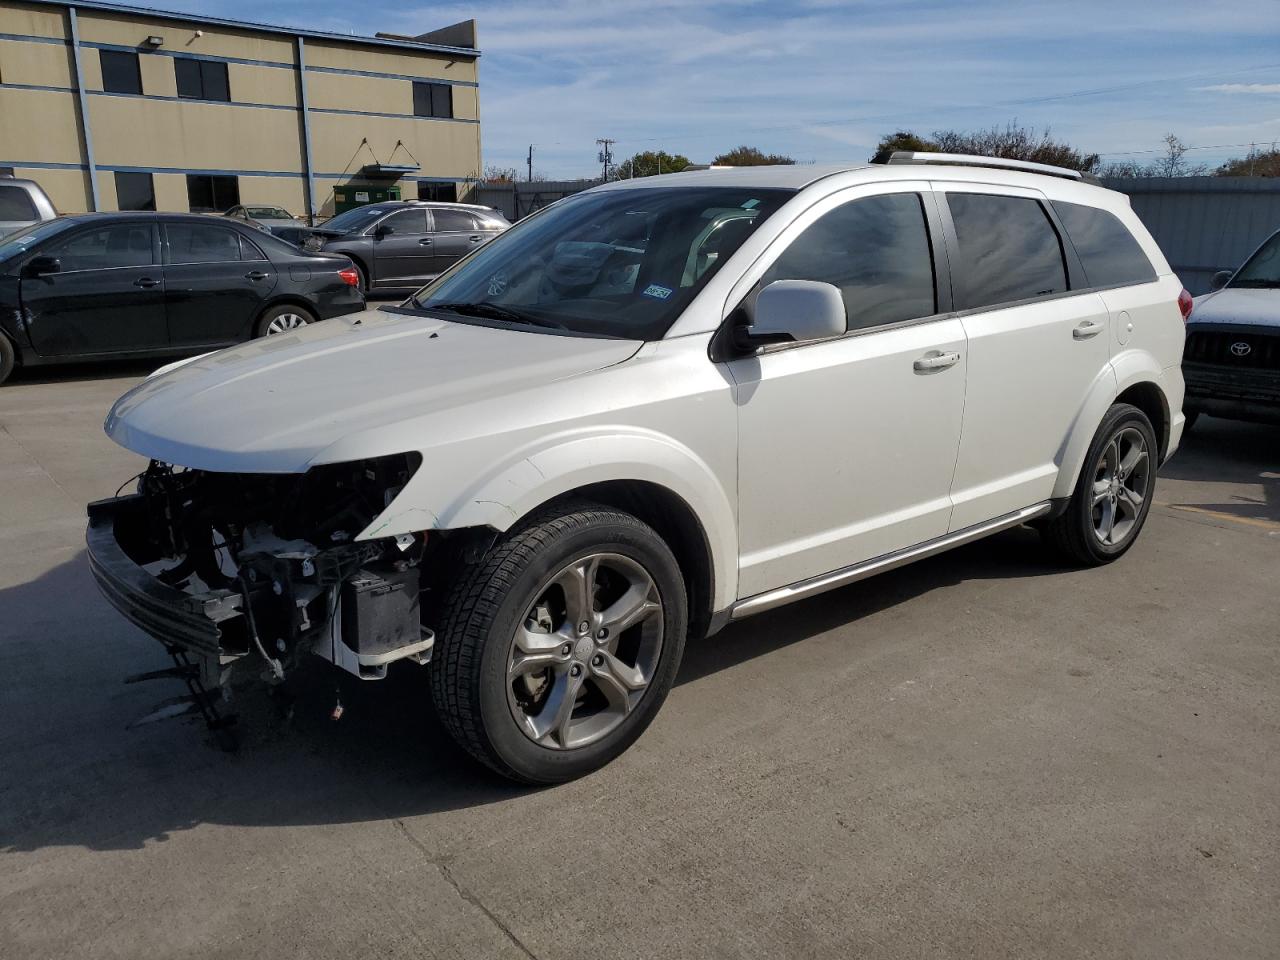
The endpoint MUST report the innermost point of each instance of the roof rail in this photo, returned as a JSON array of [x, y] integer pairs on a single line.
[[999, 163]]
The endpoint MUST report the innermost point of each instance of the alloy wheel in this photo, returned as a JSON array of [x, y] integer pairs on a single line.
[[1120, 486], [586, 651], [285, 322]]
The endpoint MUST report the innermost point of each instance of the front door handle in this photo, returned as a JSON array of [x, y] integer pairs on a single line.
[[146, 283], [424, 242], [475, 238], [937, 361], [1087, 328], [256, 275]]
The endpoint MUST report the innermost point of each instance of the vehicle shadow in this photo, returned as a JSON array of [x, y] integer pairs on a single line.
[[1229, 451], [75, 776], [97, 370]]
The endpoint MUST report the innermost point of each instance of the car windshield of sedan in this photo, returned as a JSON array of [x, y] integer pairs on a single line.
[[17, 243], [1263, 268], [268, 213], [619, 263]]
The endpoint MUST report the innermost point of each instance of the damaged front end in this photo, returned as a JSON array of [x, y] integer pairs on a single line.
[[229, 569]]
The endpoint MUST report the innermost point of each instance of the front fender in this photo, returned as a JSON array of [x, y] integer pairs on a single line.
[[522, 481]]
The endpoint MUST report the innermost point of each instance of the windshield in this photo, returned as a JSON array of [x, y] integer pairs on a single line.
[[1263, 268], [354, 219], [268, 213], [17, 243], [620, 263]]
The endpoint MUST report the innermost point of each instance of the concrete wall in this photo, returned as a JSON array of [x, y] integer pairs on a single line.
[[360, 99], [1205, 224]]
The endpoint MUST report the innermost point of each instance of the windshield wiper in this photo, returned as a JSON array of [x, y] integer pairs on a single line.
[[488, 311], [1257, 284]]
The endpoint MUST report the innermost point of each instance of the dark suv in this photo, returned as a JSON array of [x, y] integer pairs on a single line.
[[404, 243], [1232, 359]]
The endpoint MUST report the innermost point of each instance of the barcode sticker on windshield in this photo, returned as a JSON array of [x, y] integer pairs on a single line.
[[658, 291]]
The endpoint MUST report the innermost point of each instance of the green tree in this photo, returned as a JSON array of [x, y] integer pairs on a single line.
[[1010, 142], [745, 156], [1262, 163], [651, 163]]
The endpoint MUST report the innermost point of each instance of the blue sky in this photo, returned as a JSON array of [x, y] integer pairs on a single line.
[[822, 80]]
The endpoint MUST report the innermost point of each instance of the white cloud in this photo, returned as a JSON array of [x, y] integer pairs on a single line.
[[1256, 88]]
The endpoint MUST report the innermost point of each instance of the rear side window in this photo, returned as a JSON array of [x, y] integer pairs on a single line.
[[876, 250], [1009, 250], [453, 220], [1107, 250], [15, 204], [198, 243]]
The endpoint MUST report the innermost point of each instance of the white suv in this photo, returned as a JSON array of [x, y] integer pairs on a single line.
[[651, 409]]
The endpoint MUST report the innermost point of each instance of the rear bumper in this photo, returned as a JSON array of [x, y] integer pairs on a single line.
[[175, 618], [1235, 394]]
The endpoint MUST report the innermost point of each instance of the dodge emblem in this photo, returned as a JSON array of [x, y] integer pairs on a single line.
[[1241, 349]]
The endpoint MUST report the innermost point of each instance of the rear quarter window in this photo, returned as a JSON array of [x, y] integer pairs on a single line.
[[1110, 255]]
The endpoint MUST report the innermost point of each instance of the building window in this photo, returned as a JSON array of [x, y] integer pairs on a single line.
[[438, 191], [202, 79], [120, 72], [206, 194], [135, 191], [432, 99]]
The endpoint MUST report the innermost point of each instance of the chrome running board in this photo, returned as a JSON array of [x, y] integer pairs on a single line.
[[869, 568]]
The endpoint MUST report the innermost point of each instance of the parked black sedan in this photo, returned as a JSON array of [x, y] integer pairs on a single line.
[[122, 285]]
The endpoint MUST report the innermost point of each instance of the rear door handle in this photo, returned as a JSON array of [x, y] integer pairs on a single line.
[[475, 238], [146, 283], [256, 275], [425, 242], [1087, 329], [937, 361]]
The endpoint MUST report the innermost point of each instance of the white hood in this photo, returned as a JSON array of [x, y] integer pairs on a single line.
[[273, 405], [1244, 306]]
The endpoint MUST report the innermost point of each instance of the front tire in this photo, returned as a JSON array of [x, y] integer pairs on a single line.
[[1113, 495], [558, 647], [8, 358]]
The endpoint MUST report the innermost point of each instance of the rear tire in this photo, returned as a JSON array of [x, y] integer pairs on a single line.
[[285, 318], [518, 682], [1113, 495], [8, 358]]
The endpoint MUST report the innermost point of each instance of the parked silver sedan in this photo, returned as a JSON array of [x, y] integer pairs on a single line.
[[276, 220], [23, 203]]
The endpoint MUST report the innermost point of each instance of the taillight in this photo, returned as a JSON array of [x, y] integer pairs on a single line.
[[352, 279], [1184, 304]]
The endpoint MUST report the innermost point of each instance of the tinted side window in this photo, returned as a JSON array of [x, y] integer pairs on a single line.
[[119, 245], [120, 73], [405, 222], [198, 243], [1107, 250], [453, 220], [1008, 250], [876, 250], [15, 204]]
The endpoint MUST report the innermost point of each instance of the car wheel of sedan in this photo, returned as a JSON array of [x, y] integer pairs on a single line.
[[1113, 496], [8, 360], [559, 646], [284, 319]]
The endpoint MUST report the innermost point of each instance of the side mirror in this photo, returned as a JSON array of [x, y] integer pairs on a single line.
[[1220, 279], [40, 266], [795, 311], [380, 231]]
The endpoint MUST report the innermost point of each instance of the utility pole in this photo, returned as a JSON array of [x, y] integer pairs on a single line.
[[531, 163], [606, 155]]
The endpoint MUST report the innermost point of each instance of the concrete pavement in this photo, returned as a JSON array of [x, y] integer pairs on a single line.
[[984, 755]]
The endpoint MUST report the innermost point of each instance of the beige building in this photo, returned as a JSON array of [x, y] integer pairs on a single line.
[[112, 107]]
